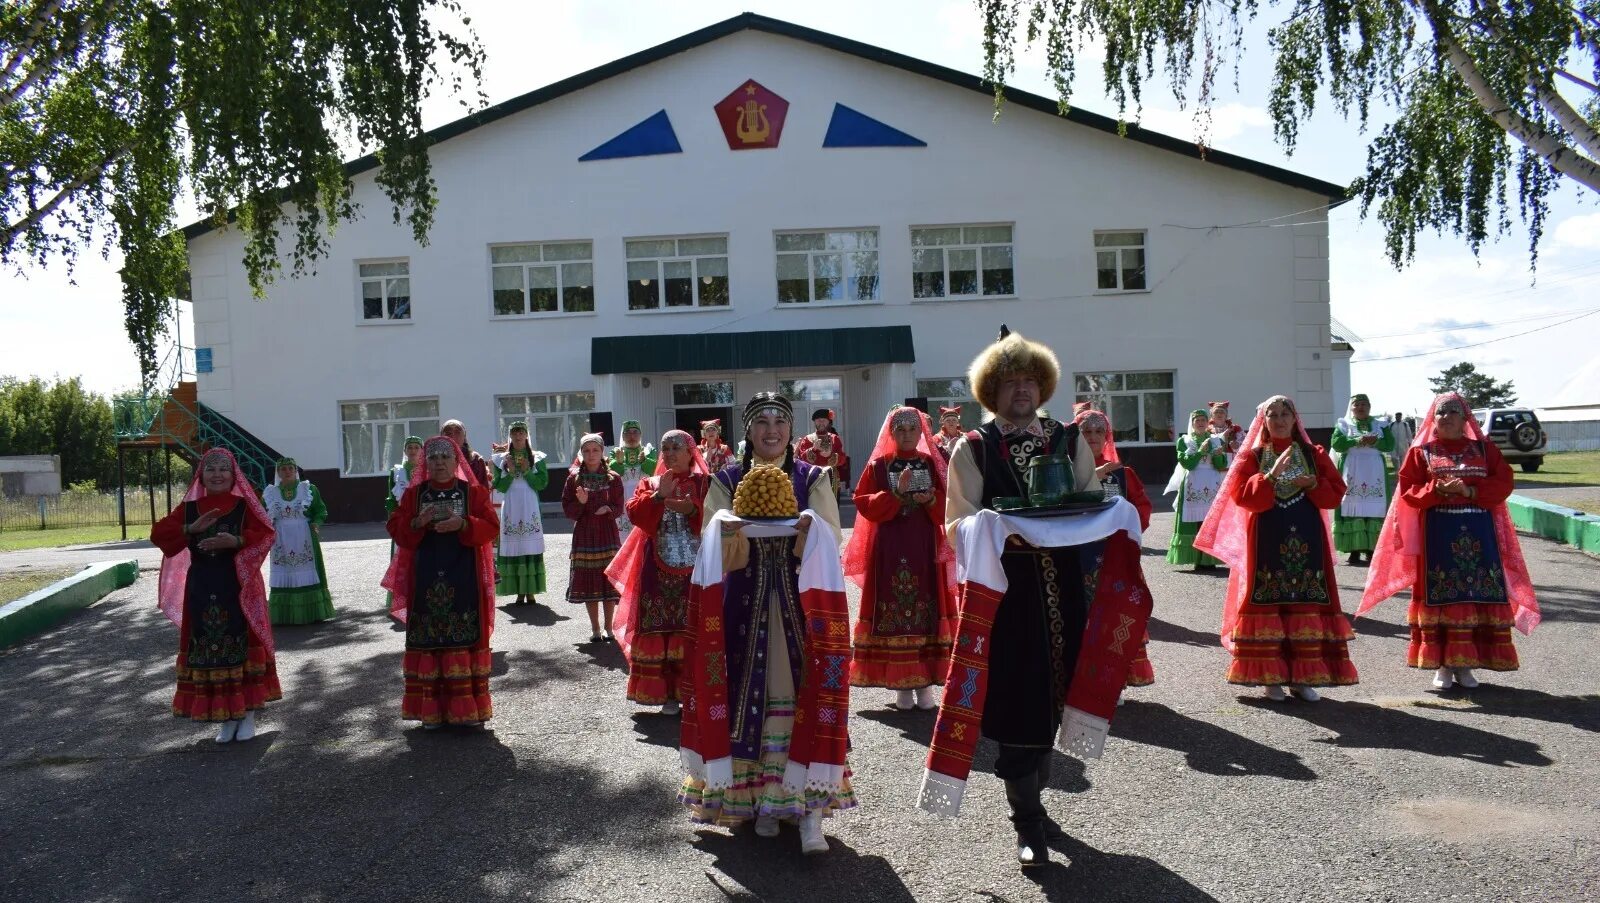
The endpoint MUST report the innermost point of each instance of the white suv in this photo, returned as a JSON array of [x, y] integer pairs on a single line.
[[1517, 433]]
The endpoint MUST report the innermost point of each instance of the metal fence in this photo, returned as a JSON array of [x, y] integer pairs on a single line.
[[85, 509]]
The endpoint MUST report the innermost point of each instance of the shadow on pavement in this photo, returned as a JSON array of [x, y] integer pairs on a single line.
[[748, 867], [1089, 874], [1168, 632], [655, 728], [535, 615], [1582, 712], [1388, 630], [1362, 725], [1067, 774], [1571, 604], [1209, 749]]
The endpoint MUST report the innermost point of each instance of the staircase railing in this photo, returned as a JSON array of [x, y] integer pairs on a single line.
[[134, 414], [213, 430]]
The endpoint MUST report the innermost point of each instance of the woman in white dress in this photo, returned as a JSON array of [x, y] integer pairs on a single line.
[[519, 474], [299, 583], [1202, 462]]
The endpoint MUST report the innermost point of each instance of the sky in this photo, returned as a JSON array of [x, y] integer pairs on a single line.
[[1446, 307]]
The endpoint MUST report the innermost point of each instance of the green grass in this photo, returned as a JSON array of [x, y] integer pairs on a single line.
[[14, 540], [1564, 469], [15, 585], [1589, 506]]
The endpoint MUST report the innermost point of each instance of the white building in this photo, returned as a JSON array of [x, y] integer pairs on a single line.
[[850, 226]]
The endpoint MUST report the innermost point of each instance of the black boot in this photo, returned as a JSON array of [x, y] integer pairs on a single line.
[[1354, 559], [1027, 816], [1052, 831]]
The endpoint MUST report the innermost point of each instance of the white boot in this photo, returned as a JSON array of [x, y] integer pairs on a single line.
[[766, 826], [1444, 679], [671, 708], [226, 731], [1308, 694], [925, 698], [1465, 679], [904, 700], [811, 839], [1276, 694], [247, 727]]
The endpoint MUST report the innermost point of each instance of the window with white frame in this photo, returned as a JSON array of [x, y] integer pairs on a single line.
[[948, 393], [1119, 261], [556, 421], [1139, 404], [962, 262], [677, 273], [374, 432], [544, 278], [385, 289], [827, 266]]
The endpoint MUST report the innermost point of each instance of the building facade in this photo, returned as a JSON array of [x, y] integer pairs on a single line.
[[759, 206]]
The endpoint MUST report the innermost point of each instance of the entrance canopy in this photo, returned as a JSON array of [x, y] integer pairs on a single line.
[[744, 351]]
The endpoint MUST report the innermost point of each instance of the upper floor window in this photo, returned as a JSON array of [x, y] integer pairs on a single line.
[[827, 266], [1139, 404], [962, 262], [546, 278], [385, 289], [674, 273], [1119, 261], [374, 432]]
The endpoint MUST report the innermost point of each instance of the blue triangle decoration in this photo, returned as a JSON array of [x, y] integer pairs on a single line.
[[648, 138], [849, 128]]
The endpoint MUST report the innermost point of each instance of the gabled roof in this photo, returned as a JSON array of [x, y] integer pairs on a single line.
[[754, 22]]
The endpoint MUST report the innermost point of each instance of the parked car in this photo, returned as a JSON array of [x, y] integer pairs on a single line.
[[1517, 433]]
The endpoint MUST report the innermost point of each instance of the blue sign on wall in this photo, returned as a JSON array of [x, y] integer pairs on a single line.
[[202, 360]]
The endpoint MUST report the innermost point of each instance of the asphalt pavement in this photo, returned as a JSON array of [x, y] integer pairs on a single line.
[[1382, 791]]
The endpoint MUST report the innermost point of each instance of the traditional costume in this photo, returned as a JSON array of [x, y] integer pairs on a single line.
[[1361, 448], [1281, 621], [1197, 478], [594, 536], [1223, 427], [950, 431], [443, 585], [1120, 482], [652, 573], [905, 567], [1457, 552], [399, 482], [519, 475], [835, 458], [1031, 655], [299, 581], [716, 453], [226, 667], [765, 731], [632, 463]]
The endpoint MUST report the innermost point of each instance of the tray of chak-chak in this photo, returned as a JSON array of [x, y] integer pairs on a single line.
[[1073, 503]]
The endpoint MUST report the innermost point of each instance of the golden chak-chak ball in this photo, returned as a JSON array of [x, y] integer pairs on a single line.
[[764, 492]]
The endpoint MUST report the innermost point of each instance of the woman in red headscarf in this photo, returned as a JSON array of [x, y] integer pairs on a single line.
[[1448, 538], [1281, 620], [443, 584], [652, 573], [1115, 480], [899, 557], [213, 546]]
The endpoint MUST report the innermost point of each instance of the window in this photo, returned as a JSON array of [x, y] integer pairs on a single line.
[[702, 395], [1119, 261], [375, 432], [385, 290], [675, 273], [961, 262], [1138, 404], [947, 392], [554, 277], [827, 266], [555, 421]]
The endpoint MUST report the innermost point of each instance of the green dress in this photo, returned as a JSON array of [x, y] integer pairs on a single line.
[[299, 582], [1360, 534], [1197, 472], [399, 479], [520, 558]]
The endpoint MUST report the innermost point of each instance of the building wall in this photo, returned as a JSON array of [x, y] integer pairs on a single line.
[[1238, 312]]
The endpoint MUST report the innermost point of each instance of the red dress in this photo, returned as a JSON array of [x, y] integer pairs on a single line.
[[903, 637], [216, 683], [1291, 629], [659, 636], [447, 683], [1140, 672], [807, 451], [1461, 559], [595, 539]]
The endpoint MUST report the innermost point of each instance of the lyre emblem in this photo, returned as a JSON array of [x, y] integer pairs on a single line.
[[752, 126]]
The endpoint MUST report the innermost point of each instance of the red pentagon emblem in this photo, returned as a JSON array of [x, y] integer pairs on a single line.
[[752, 117]]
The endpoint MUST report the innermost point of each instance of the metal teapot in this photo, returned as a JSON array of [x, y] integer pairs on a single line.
[[1049, 480]]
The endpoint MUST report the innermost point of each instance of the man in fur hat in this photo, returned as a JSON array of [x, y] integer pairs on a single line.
[[1041, 618]]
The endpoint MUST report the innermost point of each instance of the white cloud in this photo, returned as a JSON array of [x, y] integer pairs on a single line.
[[1582, 231], [1227, 121]]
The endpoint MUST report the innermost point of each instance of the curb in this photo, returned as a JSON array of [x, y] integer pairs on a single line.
[[1556, 522], [37, 612]]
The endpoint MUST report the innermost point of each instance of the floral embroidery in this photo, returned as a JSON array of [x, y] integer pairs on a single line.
[[216, 645], [1295, 579], [1468, 579], [441, 623], [909, 610]]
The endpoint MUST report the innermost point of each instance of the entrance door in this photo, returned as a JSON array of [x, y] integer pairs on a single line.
[[689, 421]]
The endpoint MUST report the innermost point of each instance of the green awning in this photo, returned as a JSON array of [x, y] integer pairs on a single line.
[[859, 346]]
